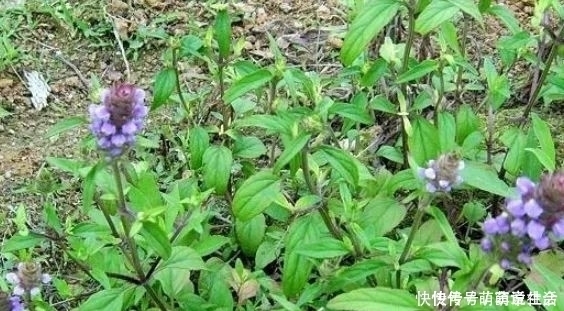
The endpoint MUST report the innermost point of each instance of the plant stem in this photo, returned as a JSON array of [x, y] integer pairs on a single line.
[[534, 96], [441, 92], [126, 223], [323, 211], [416, 223], [178, 88], [463, 54], [411, 7]]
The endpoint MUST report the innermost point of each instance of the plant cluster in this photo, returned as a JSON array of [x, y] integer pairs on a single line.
[[270, 192]]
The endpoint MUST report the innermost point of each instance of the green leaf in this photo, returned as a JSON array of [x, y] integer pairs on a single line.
[[443, 223], [352, 112], [248, 147], [381, 103], [157, 239], [380, 215], [291, 150], [4, 113], [144, 194], [437, 12], [542, 132], [424, 143], [18, 242], [209, 244], [343, 163], [250, 233], [507, 17], [323, 248], [543, 158], [269, 122], [217, 168], [543, 279], [255, 195], [466, 123], [297, 268], [189, 45], [247, 83], [182, 258], [199, 143], [266, 253], [443, 254], [376, 71], [484, 178], [105, 300], [65, 126], [165, 83], [418, 71], [369, 22], [68, 165], [447, 131], [469, 7], [380, 298], [222, 30], [448, 34]]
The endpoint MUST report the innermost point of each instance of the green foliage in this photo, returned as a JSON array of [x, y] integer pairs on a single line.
[[272, 190]]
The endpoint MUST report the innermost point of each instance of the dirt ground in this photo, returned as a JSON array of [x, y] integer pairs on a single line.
[[309, 33]]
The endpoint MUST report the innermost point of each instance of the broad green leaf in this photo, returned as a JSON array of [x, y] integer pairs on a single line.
[[189, 45], [437, 12], [105, 300], [424, 143], [466, 123], [269, 122], [447, 131], [248, 147], [144, 195], [246, 84], [199, 143], [343, 163], [18, 242], [543, 158], [183, 258], [484, 5], [443, 223], [250, 233], [469, 7], [351, 275], [165, 83], [266, 253], [543, 279], [381, 103], [323, 248], [484, 178], [379, 298], [449, 35], [374, 73], [542, 131], [65, 126], [352, 112], [507, 17], [515, 140], [443, 254], [4, 113], [157, 239], [368, 23], [68, 165], [217, 168], [209, 244], [297, 268], [255, 195], [222, 31], [291, 150], [418, 71], [381, 215]]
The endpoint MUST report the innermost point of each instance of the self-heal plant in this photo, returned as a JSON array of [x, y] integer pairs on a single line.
[[443, 173], [11, 303], [28, 278], [532, 220], [119, 118]]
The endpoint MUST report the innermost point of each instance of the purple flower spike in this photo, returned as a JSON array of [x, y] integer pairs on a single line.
[[515, 208], [542, 243], [558, 229], [490, 226], [518, 227], [486, 244], [535, 230], [442, 174], [532, 209], [119, 119], [524, 185]]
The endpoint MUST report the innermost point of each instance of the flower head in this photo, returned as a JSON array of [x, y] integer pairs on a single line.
[[119, 118], [27, 278], [535, 219], [11, 303], [442, 174]]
